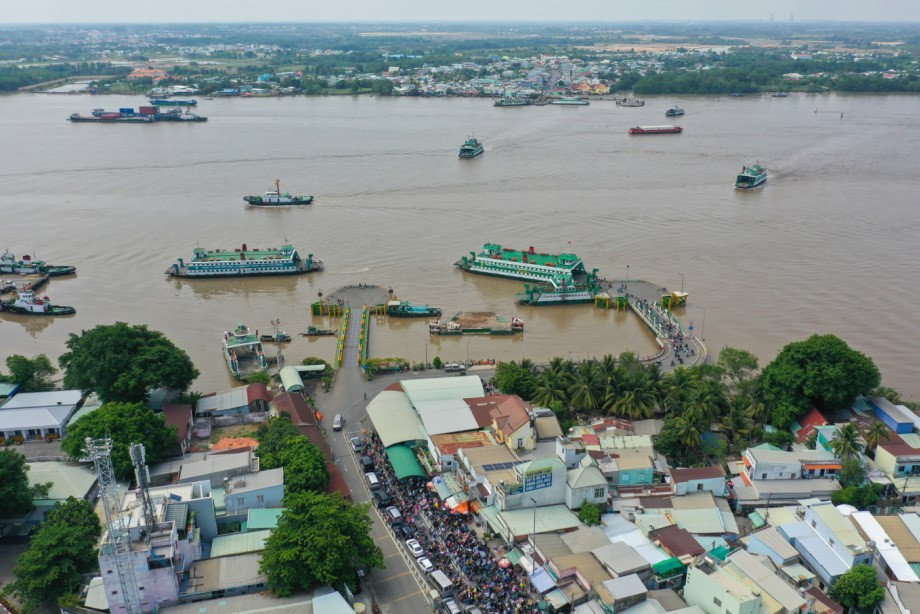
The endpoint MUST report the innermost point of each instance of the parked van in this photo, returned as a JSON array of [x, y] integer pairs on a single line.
[[441, 582], [372, 480], [454, 367], [338, 422]]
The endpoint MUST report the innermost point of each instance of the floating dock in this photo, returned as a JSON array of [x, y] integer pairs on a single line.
[[476, 323]]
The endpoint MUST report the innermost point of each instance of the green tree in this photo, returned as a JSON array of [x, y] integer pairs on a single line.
[[585, 390], [320, 539], [15, 493], [123, 363], [590, 513], [858, 588], [822, 371], [853, 472], [512, 378], [61, 551], [875, 434], [860, 497], [259, 377], [304, 466], [887, 393], [737, 364], [124, 423], [638, 398], [678, 387], [780, 439], [436, 363], [274, 437], [846, 442], [31, 374], [552, 387]]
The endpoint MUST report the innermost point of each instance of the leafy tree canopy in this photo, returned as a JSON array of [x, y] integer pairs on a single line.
[[15, 493], [780, 439], [590, 513], [512, 378], [121, 362], [852, 472], [858, 588], [304, 466], [273, 438], [320, 539], [61, 551], [259, 377], [821, 370], [32, 374], [125, 423], [737, 364], [860, 497]]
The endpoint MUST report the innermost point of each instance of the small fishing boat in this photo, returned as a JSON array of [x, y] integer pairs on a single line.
[[312, 331], [282, 338]]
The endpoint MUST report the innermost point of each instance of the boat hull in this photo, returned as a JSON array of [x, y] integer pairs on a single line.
[[465, 155], [755, 184], [258, 201], [242, 273], [556, 300], [55, 310], [414, 314]]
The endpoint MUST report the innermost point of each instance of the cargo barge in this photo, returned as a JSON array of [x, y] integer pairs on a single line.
[[27, 266], [172, 102], [245, 262], [144, 115], [509, 101], [560, 290], [476, 323], [656, 130], [527, 265]]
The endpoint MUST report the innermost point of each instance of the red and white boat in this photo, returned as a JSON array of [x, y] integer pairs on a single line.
[[656, 130]]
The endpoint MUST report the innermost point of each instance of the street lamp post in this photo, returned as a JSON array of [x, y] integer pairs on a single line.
[[467, 351], [703, 327], [534, 538], [426, 352]]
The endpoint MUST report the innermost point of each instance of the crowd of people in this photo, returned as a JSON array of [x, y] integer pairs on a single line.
[[451, 544]]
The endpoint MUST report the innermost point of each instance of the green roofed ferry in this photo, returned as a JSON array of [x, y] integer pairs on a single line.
[[529, 265], [243, 352], [750, 176], [243, 262], [560, 290], [471, 148]]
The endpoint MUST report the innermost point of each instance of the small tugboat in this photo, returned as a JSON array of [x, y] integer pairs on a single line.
[[630, 102], [312, 331], [28, 266], [750, 177], [656, 130], [471, 148], [243, 352], [570, 100], [674, 112], [277, 198], [28, 304], [283, 337], [405, 309]]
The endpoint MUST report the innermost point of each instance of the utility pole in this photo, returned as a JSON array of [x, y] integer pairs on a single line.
[[279, 358]]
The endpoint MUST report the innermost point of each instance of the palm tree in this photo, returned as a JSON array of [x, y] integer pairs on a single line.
[[585, 391], [608, 365], [638, 399], [689, 430], [846, 443], [890, 394], [551, 386], [735, 424], [527, 363], [678, 386], [555, 364], [757, 412], [875, 434]]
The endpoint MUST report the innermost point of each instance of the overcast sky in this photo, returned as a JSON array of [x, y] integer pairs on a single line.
[[107, 11]]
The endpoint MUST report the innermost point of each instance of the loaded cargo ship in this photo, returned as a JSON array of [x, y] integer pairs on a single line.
[[143, 115], [656, 130], [527, 265], [28, 266], [750, 176], [244, 262], [559, 290], [243, 352], [476, 323]]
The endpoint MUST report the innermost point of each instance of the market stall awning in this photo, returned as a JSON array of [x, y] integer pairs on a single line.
[[404, 462]]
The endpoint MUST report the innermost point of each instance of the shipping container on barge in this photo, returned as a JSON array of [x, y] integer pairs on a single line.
[[143, 115], [245, 262], [527, 265], [656, 130]]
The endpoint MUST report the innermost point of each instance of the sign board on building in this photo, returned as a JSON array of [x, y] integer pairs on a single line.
[[538, 479]]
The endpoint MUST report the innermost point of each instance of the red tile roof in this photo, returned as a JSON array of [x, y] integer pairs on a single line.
[[482, 407], [826, 600], [395, 386], [808, 423], [696, 473], [257, 392], [511, 414], [613, 423], [180, 415], [449, 443], [677, 542], [591, 440]]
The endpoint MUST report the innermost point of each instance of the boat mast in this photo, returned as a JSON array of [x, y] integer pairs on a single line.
[[278, 186]]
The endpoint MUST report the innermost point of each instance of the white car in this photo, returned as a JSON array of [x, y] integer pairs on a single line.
[[415, 548], [425, 565]]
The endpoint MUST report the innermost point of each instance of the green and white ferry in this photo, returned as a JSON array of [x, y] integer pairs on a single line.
[[750, 176], [529, 265], [243, 352], [243, 262], [560, 290]]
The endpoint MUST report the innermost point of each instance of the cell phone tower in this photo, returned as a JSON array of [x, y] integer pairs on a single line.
[[118, 542]]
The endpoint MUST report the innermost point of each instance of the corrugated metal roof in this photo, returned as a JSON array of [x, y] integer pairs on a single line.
[[620, 558], [214, 464], [772, 539], [443, 388], [67, 479], [34, 418], [394, 418], [223, 401], [239, 543], [291, 380], [259, 519], [43, 399], [446, 416], [550, 518]]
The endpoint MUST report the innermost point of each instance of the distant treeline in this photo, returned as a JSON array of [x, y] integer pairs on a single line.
[[13, 78]]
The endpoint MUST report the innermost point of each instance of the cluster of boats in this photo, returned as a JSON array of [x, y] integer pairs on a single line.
[[27, 302], [144, 115]]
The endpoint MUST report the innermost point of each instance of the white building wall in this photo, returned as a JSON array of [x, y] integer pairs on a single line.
[[711, 597]]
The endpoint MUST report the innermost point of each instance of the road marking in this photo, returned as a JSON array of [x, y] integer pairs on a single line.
[[394, 554], [403, 597], [399, 575]]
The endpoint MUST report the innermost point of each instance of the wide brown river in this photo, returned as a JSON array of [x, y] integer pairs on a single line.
[[830, 244]]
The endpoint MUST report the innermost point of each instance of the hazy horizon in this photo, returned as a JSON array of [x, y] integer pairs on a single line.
[[55, 12]]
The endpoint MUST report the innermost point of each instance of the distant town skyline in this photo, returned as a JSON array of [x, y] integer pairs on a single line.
[[183, 11]]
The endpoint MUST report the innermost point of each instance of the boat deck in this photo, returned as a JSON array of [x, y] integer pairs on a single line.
[[541, 259], [479, 320], [231, 255]]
